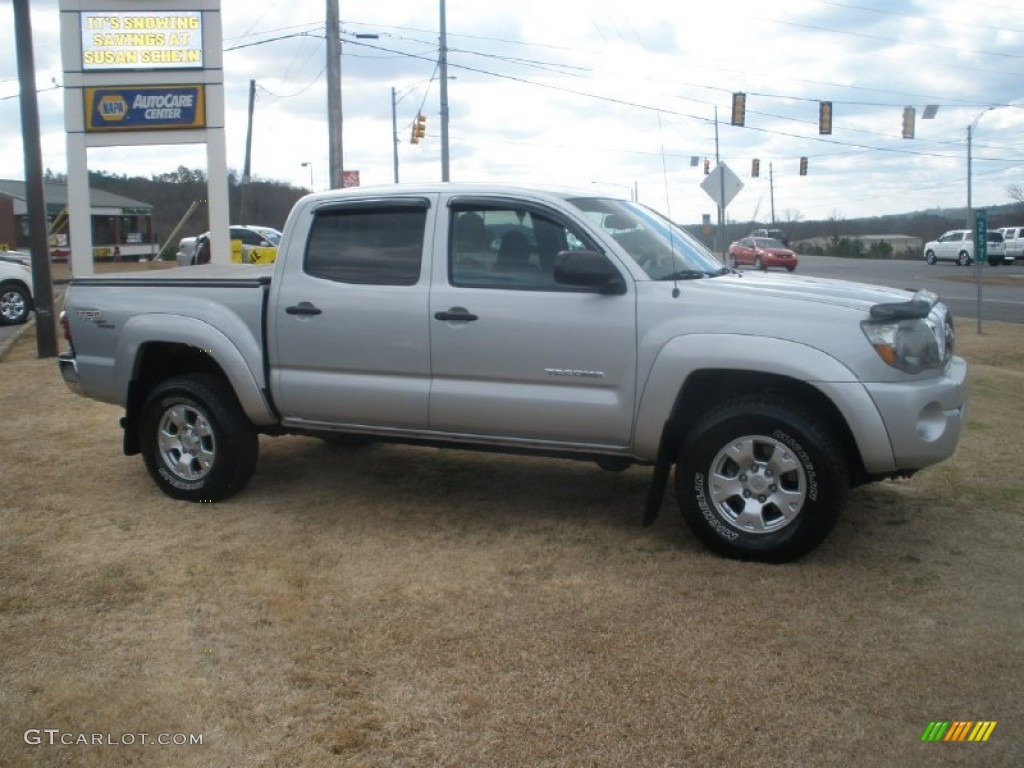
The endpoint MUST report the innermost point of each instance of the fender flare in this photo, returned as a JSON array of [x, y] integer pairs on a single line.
[[241, 364], [683, 356]]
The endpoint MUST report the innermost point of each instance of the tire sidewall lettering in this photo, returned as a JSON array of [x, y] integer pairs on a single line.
[[707, 510], [804, 459]]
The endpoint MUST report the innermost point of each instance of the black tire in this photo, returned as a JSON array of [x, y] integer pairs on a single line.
[[759, 455], [995, 262], [15, 304], [790, 269], [758, 264], [197, 442], [929, 259], [964, 259]]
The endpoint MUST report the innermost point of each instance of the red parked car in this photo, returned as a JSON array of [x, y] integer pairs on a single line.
[[762, 252]]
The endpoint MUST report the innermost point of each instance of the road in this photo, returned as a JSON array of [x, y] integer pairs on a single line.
[[1002, 290]]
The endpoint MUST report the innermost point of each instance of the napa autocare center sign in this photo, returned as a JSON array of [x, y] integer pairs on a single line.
[[142, 73], [144, 108]]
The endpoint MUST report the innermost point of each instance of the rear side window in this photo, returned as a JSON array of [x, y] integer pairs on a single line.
[[367, 246]]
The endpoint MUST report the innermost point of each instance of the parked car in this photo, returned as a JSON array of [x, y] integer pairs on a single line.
[[196, 250], [996, 250], [1013, 237], [775, 234], [15, 292], [957, 245], [761, 253]]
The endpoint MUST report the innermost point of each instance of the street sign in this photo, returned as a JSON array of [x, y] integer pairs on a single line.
[[980, 235], [721, 185]]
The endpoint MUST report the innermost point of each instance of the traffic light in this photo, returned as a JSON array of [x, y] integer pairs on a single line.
[[707, 166], [824, 117], [755, 168], [908, 122], [419, 128], [739, 108], [803, 166]]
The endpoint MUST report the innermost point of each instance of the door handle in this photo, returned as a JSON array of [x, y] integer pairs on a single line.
[[456, 314], [303, 308]]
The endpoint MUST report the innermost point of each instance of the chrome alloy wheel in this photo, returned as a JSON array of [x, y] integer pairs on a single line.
[[757, 485], [13, 306], [186, 443]]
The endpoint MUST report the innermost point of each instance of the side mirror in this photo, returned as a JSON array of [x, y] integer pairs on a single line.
[[588, 269]]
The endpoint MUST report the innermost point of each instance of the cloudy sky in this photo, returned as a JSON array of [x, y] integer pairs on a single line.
[[613, 96]]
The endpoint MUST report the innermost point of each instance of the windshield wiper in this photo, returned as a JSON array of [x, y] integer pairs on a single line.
[[686, 274]]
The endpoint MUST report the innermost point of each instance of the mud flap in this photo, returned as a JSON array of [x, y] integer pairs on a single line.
[[656, 493]]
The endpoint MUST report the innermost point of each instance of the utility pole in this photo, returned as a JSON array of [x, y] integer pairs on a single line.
[[771, 189], [247, 169], [46, 330], [334, 150], [442, 63]]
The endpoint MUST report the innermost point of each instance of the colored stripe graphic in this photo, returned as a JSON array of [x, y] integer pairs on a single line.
[[982, 730], [958, 730]]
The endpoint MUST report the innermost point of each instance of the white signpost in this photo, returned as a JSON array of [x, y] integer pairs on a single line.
[[722, 185], [142, 77]]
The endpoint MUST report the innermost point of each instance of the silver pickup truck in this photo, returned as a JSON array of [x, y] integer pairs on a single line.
[[553, 323]]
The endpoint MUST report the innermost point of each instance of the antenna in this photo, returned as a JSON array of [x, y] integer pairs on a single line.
[[668, 207]]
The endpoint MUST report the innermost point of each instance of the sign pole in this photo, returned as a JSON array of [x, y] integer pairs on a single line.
[[980, 252]]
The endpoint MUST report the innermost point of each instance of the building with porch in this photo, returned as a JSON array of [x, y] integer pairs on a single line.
[[122, 228]]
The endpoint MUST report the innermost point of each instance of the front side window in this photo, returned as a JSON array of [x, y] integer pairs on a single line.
[[367, 245], [498, 246]]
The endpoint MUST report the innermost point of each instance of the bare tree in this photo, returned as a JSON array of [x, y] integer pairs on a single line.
[[1016, 191]]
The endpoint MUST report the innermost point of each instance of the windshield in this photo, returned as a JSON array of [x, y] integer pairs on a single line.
[[664, 250], [767, 242]]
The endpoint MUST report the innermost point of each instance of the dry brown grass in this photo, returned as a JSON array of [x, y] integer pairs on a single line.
[[413, 607]]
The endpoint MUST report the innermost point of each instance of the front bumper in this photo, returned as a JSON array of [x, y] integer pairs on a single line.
[[69, 372], [924, 419]]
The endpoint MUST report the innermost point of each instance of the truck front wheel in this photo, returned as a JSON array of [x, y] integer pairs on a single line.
[[197, 443], [760, 478]]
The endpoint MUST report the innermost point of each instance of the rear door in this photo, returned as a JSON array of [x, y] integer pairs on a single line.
[[347, 326], [516, 355]]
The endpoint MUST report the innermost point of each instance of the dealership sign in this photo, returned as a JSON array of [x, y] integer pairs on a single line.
[[114, 40], [141, 108]]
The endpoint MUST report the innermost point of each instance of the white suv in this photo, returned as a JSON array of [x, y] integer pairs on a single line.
[[958, 245], [1014, 239]]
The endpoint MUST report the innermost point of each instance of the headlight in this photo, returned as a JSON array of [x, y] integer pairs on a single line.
[[914, 344]]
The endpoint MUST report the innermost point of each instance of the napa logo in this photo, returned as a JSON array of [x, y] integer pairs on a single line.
[[112, 107], [958, 730]]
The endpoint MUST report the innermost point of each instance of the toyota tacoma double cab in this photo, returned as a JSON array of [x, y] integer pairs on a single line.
[[562, 324]]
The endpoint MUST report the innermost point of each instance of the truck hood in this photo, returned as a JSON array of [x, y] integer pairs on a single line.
[[815, 290]]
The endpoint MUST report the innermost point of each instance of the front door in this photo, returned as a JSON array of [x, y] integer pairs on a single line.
[[515, 355]]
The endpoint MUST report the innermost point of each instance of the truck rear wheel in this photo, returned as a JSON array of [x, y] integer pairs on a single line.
[[197, 442], [759, 478]]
